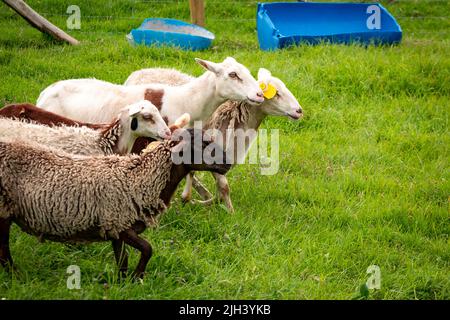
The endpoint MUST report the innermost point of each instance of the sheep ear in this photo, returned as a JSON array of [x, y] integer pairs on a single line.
[[264, 75], [182, 121], [134, 109], [173, 128], [230, 59], [209, 65]]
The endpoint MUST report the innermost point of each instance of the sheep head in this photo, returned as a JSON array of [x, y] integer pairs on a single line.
[[144, 120], [197, 151], [279, 101], [233, 80]]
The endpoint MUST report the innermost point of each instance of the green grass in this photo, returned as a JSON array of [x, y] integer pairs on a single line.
[[363, 178]]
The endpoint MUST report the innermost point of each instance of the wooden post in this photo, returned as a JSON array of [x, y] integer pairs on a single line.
[[197, 12], [39, 22]]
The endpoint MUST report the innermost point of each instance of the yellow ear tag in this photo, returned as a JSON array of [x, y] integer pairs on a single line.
[[269, 90]]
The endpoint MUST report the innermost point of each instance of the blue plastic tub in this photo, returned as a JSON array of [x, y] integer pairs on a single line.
[[281, 24], [171, 32]]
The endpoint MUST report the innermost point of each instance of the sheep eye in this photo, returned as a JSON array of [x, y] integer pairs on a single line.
[[277, 95], [233, 75], [147, 116]]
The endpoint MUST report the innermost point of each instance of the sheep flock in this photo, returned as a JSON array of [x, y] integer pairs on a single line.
[[96, 161]]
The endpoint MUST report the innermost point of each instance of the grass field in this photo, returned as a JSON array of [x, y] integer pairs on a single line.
[[363, 180]]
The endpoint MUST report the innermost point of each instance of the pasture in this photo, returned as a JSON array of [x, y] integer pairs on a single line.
[[363, 177]]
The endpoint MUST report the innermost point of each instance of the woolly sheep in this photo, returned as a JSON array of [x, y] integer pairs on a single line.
[[70, 198], [136, 120]]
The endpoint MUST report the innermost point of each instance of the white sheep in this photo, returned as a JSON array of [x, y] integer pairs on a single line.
[[96, 101], [140, 119], [70, 198]]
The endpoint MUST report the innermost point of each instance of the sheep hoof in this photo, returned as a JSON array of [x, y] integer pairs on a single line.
[[227, 204], [138, 277], [229, 207], [186, 197]]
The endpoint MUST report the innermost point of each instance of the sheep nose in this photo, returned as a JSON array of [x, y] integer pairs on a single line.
[[260, 94], [166, 134], [299, 110]]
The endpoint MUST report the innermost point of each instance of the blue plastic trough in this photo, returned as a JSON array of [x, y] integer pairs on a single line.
[[281, 24], [171, 32]]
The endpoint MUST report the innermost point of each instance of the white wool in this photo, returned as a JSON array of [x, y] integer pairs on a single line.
[[76, 140]]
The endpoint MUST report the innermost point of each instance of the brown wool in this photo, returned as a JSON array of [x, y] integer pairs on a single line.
[[61, 196]]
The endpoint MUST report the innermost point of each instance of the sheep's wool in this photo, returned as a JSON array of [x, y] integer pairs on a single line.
[[229, 115], [72, 139], [63, 196]]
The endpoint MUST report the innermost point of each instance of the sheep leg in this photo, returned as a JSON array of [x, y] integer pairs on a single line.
[[187, 192], [223, 190], [121, 256], [201, 189], [5, 255], [131, 238], [204, 202]]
